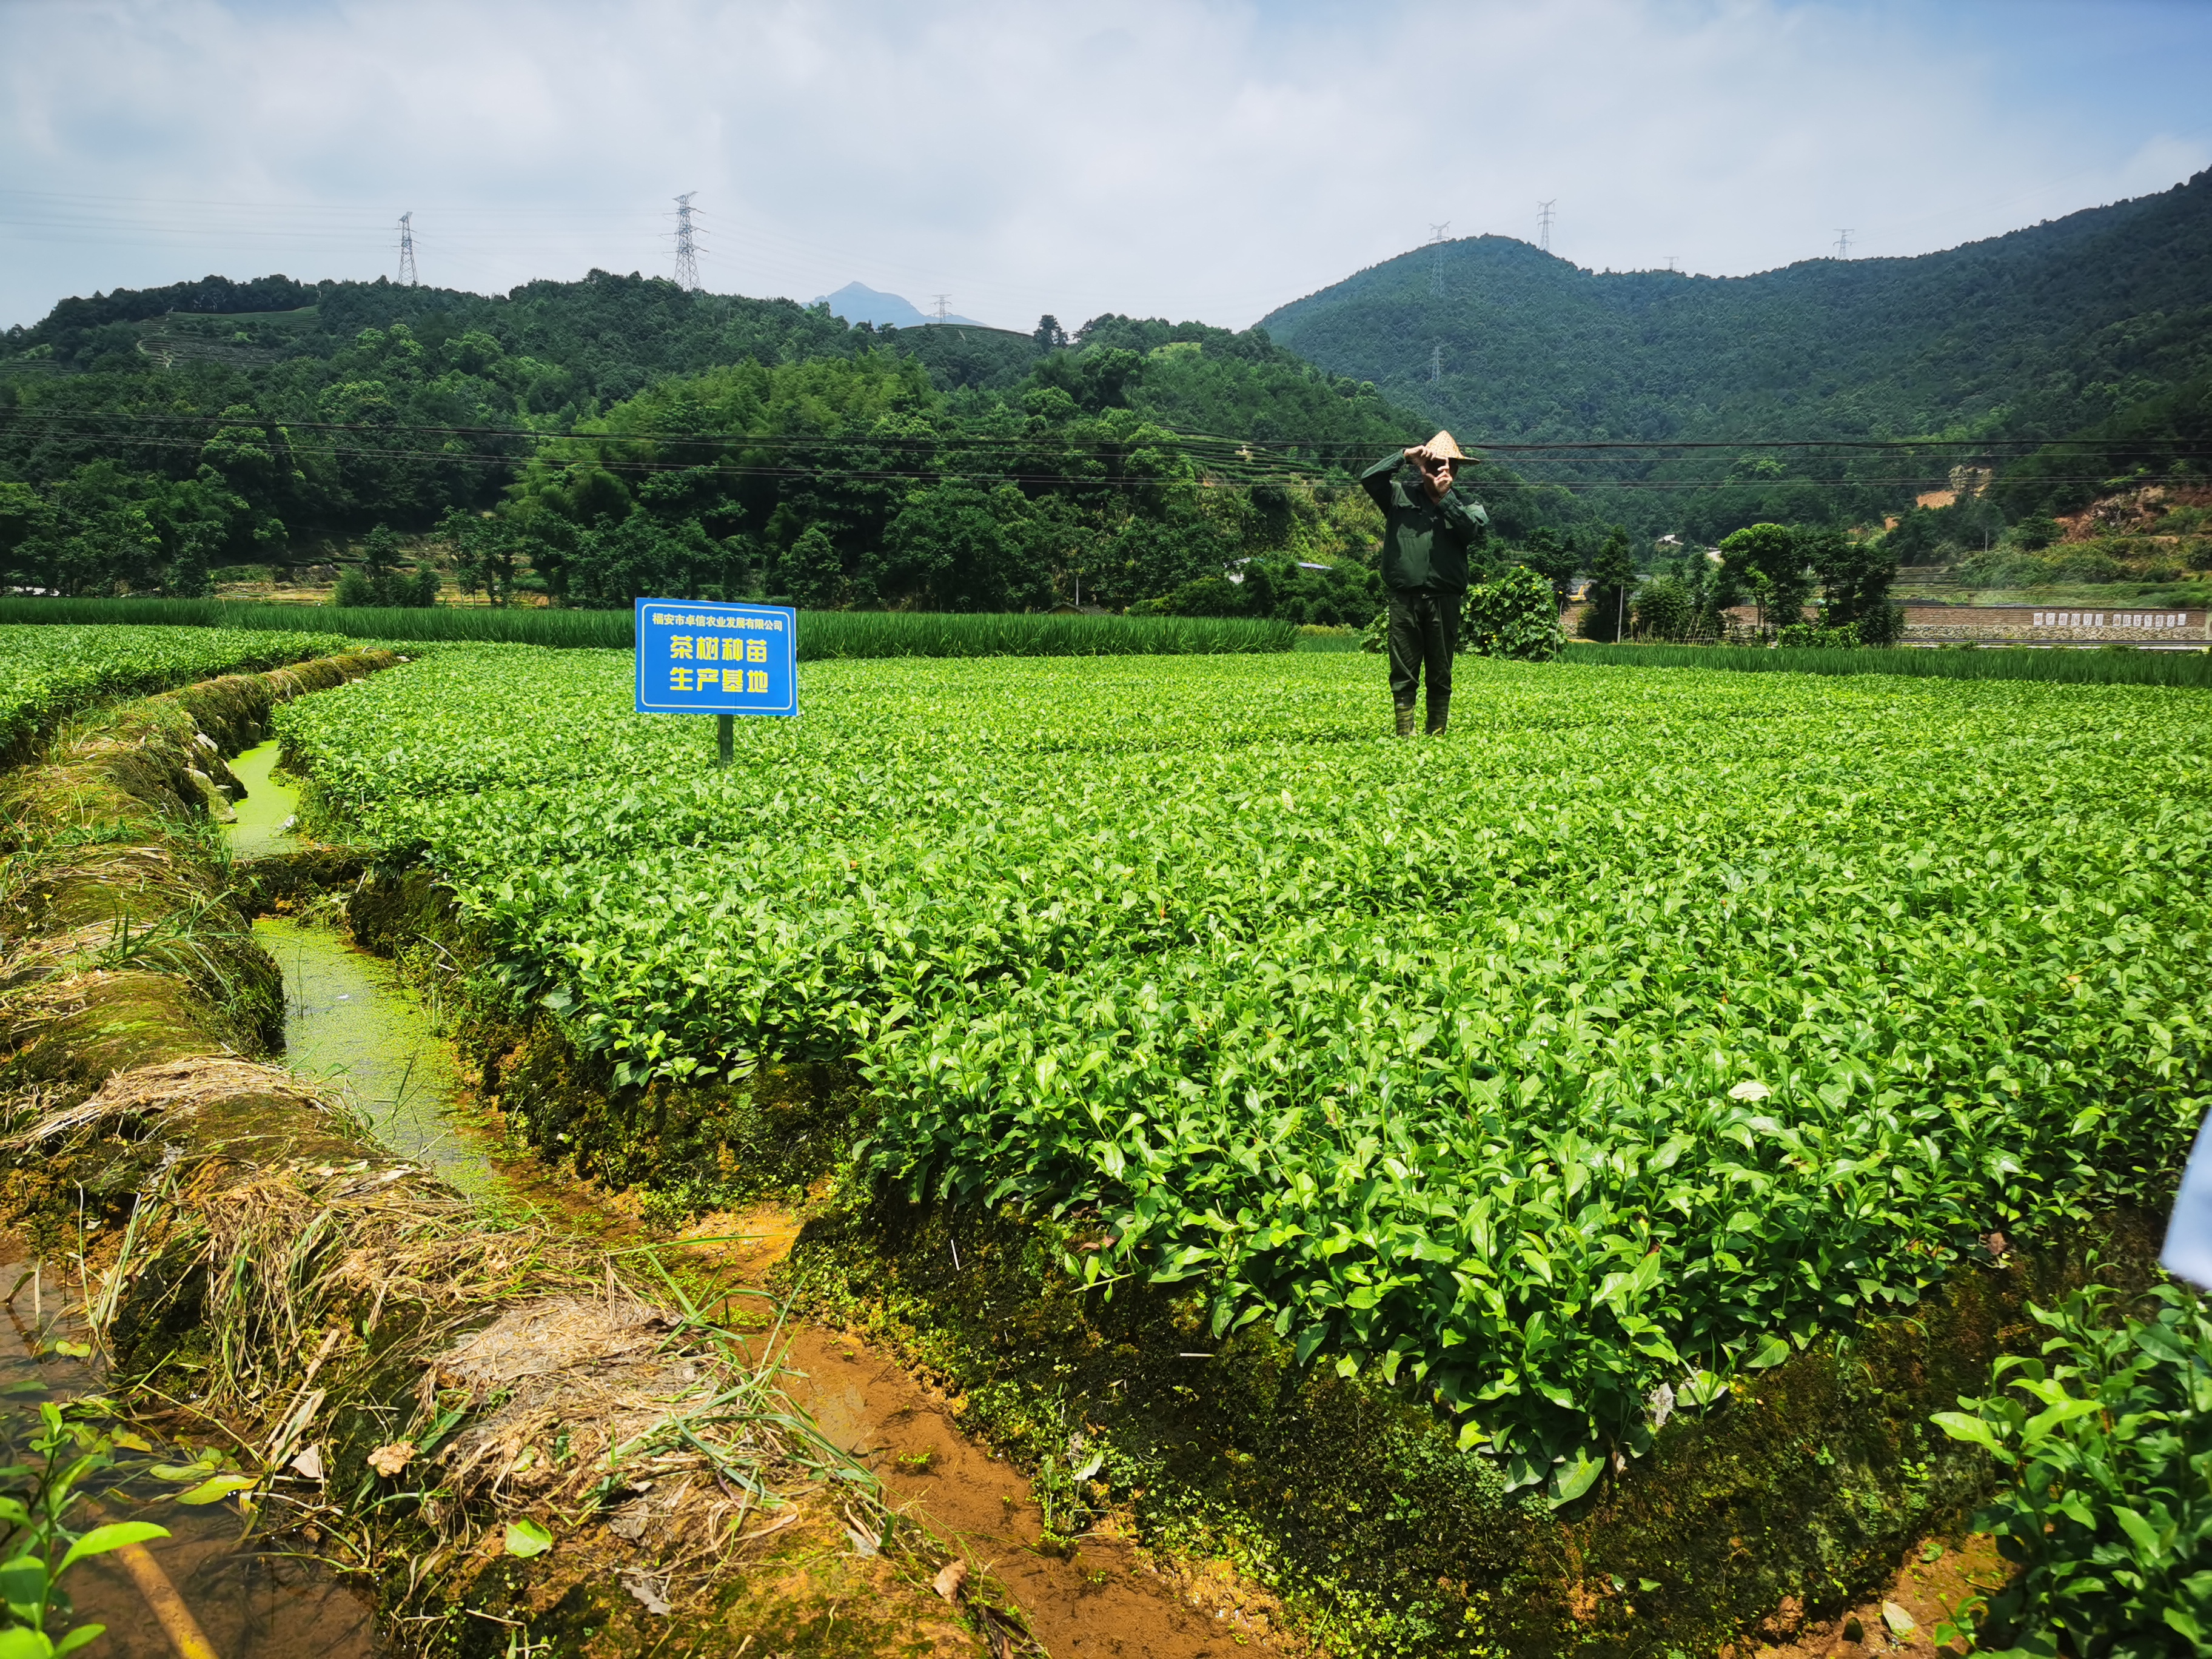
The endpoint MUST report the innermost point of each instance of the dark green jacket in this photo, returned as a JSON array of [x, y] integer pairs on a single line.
[[1425, 543]]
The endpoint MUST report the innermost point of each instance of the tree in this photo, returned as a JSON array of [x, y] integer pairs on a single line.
[[487, 550], [1855, 580], [1767, 562], [1099, 378], [641, 558], [1049, 335], [190, 577], [379, 551], [1664, 608], [813, 573], [1547, 553], [1149, 556], [25, 518], [955, 546], [1613, 574]]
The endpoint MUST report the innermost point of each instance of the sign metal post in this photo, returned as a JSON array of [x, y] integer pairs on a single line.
[[694, 657]]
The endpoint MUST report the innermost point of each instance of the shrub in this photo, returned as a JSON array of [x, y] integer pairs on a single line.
[[1813, 636], [360, 589], [1516, 615]]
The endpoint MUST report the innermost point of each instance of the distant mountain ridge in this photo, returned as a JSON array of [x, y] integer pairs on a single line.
[[856, 302], [2034, 333]]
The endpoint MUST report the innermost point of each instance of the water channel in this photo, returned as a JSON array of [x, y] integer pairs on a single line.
[[349, 1019]]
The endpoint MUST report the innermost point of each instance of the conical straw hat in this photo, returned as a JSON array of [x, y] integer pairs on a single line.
[[1445, 444]]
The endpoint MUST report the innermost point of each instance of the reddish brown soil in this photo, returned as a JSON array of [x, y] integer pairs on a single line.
[[1931, 1591], [1108, 1599], [1104, 1599]]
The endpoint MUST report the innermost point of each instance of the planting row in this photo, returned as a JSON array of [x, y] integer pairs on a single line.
[[47, 672], [1639, 1031], [822, 633]]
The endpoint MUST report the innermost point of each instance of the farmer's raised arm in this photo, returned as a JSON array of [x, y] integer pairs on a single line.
[[1376, 481]]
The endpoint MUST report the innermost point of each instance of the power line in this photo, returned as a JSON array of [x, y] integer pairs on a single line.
[[407, 277], [687, 255], [1544, 223]]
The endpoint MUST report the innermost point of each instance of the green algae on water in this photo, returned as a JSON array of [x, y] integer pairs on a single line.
[[268, 807]]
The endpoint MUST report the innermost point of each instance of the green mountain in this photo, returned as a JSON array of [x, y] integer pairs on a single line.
[[2032, 335]]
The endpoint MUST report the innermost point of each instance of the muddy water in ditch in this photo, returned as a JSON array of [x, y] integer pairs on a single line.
[[248, 1601]]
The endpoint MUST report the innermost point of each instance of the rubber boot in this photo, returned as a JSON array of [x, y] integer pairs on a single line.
[[1439, 713], [1405, 720]]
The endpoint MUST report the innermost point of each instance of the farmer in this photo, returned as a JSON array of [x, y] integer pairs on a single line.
[[1427, 531]]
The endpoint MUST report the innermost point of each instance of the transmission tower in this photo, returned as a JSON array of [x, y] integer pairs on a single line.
[[1544, 223], [1670, 262], [1842, 245], [1435, 364], [1436, 266], [407, 277], [687, 252], [941, 316]]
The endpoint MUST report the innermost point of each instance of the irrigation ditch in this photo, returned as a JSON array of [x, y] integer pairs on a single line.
[[423, 1420], [747, 1404]]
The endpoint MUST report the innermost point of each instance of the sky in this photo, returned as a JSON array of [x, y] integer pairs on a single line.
[[1188, 159]]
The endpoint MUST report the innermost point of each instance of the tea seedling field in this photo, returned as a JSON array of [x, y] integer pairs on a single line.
[[1646, 1027]]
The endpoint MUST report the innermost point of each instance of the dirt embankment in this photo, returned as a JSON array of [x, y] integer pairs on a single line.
[[506, 1432]]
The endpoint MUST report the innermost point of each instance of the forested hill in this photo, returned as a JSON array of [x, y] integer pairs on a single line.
[[621, 435], [2033, 334]]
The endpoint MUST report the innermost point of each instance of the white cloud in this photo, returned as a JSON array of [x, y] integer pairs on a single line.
[[1207, 160]]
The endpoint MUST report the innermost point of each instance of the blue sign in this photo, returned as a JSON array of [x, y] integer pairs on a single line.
[[698, 657]]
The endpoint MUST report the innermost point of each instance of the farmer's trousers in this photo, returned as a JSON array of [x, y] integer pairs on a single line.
[[1424, 633]]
